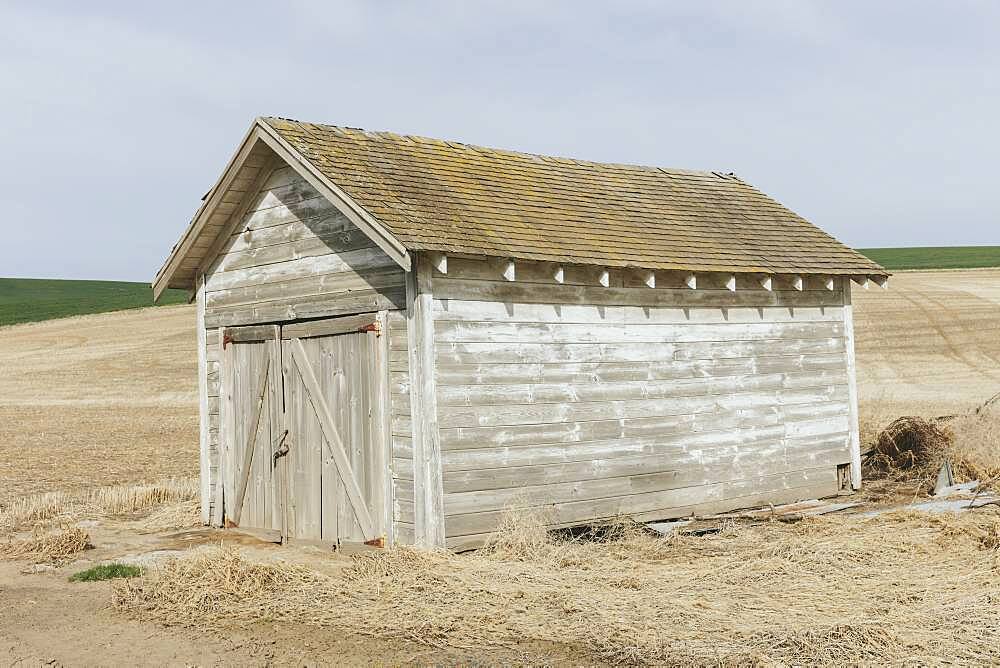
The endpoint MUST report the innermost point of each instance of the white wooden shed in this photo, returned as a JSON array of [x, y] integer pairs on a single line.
[[400, 337]]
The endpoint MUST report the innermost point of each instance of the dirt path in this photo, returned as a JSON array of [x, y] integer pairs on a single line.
[[53, 623], [48, 621]]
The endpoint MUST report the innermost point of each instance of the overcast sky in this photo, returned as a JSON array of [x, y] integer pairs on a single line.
[[875, 120]]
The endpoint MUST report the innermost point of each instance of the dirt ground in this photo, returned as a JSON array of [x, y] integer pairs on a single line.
[[46, 620], [110, 398]]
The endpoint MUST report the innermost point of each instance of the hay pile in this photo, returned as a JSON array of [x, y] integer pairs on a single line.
[[828, 590], [56, 547], [910, 447]]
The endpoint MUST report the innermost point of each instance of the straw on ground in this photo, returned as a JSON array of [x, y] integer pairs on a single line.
[[113, 500], [832, 590]]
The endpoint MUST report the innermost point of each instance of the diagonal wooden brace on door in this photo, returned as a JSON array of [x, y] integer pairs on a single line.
[[241, 492], [334, 444]]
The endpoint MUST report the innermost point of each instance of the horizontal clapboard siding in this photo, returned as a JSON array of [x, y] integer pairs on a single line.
[[401, 439], [294, 256], [591, 401], [212, 389], [471, 529]]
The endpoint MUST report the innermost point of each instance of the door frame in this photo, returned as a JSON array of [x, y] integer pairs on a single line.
[[373, 323]]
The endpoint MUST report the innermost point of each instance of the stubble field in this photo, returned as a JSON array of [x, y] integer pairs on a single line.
[[930, 344], [98, 399]]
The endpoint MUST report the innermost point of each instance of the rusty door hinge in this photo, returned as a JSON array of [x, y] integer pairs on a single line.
[[372, 327]]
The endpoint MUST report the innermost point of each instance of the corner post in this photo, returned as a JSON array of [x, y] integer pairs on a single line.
[[428, 493], [852, 387], [383, 425], [204, 462], [225, 368]]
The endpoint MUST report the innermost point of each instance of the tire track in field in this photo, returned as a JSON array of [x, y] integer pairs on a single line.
[[953, 349]]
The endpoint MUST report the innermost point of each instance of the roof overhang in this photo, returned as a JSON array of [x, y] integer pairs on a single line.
[[193, 251]]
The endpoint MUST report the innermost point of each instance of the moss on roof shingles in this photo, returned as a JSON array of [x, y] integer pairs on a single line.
[[445, 196]]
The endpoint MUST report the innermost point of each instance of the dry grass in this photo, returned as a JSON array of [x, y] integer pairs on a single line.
[[173, 516], [114, 500], [901, 588], [975, 451], [911, 449], [52, 547], [125, 499]]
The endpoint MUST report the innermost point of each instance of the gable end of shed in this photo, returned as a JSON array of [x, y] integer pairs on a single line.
[[232, 197]]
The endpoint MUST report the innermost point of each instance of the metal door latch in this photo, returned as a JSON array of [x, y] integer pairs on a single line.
[[282, 449]]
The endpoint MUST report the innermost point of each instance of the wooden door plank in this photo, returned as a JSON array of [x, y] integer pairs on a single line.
[[228, 421], [335, 444], [329, 327], [251, 443], [308, 495], [336, 518], [291, 475], [357, 393], [342, 413], [279, 433]]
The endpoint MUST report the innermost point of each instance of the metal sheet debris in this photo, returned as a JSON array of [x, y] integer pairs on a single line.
[[945, 505], [945, 478], [667, 528], [957, 490]]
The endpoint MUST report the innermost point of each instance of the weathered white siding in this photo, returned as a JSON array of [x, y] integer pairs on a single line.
[[212, 358], [301, 258], [594, 401], [401, 430]]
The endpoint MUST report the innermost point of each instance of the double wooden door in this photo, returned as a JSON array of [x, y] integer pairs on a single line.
[[303, 440]]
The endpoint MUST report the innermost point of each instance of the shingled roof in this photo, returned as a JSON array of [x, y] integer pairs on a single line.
[[450, 197], [417, 194]]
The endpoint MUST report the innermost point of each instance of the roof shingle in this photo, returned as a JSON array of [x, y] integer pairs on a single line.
[[450, 197]]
